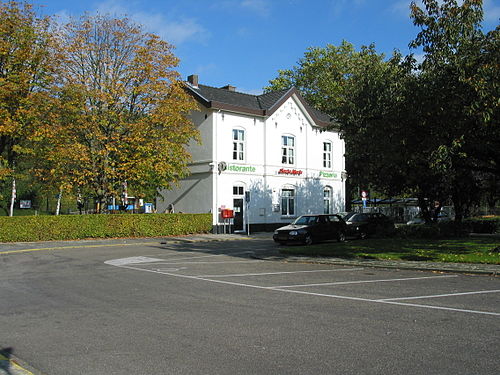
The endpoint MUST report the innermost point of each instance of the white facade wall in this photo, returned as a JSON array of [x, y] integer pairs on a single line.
[[262, 172]]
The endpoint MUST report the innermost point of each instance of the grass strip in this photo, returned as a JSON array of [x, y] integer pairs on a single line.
[[452, 250]]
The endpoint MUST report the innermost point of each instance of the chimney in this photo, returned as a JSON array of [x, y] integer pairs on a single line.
[[229, 88], [193, 80]]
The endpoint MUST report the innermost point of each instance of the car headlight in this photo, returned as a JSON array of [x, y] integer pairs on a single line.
[[275, 232], [293, 233]]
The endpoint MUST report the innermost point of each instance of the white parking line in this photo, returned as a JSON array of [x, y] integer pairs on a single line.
[[279, 273], [311, 294], [213, 262], [360, 282], [393, 303], [209, 256], [441, 295]]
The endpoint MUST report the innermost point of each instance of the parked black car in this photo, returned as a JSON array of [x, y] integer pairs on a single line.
[[346, 215], [312, 228], [362, 225]]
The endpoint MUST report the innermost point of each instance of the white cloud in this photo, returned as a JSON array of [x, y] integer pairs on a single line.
[[401, 8], [338, 7], [207, 68], [175, 31], [261, 7]]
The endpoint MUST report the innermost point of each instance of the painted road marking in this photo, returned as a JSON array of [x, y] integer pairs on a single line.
[[132, 260], [214, 262], [207, 256], [394, 303], [74, 247], [171, 269], [442, 295], [360, 282], [314, 294], [10, 367], [280, 273]]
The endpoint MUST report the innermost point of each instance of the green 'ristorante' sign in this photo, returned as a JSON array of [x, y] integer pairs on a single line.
[[328, 174], [241, 168]]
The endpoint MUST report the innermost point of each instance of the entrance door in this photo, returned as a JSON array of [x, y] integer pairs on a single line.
[[238, 213]]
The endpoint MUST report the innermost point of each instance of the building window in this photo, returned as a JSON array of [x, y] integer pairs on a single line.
[[238, 190], [327, 200], [327, 155], [287, 149], [288, 202], [238, 144]]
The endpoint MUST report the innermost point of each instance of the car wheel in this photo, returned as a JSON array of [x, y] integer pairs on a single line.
[[308, 240], [341, 237]]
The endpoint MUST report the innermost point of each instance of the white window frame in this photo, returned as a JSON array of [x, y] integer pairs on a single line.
[[327, 200], [238, 144], [327, 154], [288, 201], [238, 187], [288, 154]]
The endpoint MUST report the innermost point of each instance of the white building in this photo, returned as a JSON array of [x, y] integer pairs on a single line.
[[273, 146]]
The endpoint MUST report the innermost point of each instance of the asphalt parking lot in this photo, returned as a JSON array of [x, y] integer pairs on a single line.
[[408, 289], [213, 308]]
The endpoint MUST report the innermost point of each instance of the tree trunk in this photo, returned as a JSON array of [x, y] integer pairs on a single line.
[[13, 197], [59, 196], [424, 209], [436, 211], [459, 209]]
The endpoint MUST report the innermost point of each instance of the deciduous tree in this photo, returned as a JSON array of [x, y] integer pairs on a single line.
[[27, 65], [123, 110], [460, 73]]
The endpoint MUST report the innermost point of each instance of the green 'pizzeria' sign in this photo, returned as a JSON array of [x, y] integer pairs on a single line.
[[328, 174]]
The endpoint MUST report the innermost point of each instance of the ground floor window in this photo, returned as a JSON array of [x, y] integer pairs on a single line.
[[288, 202], [238, 190], [327, 200]]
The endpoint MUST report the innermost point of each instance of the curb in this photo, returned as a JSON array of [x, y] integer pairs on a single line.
[[463, 268], [15, 366]]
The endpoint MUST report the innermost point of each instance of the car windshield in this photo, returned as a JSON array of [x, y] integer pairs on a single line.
[[347, 215], [358, 217], [305, 220]]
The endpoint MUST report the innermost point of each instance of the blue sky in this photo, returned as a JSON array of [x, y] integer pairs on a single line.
[[245, 42]]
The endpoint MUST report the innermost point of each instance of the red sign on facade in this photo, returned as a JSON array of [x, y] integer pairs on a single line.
[[227, 213], [294, 172]]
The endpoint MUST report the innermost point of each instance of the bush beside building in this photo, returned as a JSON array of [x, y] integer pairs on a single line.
[[73, 227]]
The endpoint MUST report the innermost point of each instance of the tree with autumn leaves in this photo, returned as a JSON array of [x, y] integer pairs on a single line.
[[114, 111], [123, 110], [27, 67]]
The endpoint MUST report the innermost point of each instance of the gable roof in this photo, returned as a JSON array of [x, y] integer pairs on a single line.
[[259, 105]]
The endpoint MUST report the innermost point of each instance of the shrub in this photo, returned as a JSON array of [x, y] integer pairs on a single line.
[[418, 231], [450, 228], [484, 224], [72, 227]]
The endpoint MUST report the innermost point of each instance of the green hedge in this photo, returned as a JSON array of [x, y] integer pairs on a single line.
[[450, 228], [484, 224], [73, 227]]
